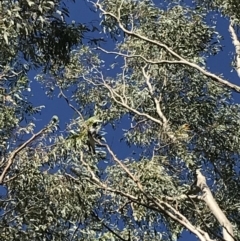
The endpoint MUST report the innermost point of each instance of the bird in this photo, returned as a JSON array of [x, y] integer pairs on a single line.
[[91, 141], [88, 134], [54, 119]]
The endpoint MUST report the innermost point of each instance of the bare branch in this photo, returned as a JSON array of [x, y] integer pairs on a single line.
[[61, 94], [108, 228]]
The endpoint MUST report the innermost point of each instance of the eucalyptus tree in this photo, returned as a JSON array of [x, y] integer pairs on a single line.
[[182, 129], [34, 36]]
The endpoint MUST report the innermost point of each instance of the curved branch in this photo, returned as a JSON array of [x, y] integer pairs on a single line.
[[15, 152], [161, 205], [173, 53]]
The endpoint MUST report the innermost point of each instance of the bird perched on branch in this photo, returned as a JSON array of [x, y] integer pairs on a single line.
[[91, 142], [89, 131], [54, 119], [93, 134]]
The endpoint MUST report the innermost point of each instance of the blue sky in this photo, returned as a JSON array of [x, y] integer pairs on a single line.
[[220, 64]]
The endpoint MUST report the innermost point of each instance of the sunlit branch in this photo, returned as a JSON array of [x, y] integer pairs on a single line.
[[142, 57], [101, 185], [15, 152], [236, 44], [191, 198], [214, 207], [122, 102], [157, 105], [173, 53], [137, 124], [172, 212]]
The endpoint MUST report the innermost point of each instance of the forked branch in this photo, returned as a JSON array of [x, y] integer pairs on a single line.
[[179, 58]]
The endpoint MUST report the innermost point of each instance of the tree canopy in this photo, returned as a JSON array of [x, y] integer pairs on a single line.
[[69, 181]]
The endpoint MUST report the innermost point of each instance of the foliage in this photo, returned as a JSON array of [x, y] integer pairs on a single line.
[[180, 118]]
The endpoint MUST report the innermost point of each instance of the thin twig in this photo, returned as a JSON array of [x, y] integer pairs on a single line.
[[108, 228]]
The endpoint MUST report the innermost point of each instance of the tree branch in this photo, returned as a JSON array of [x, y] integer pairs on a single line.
[[173, 53], [172, 212], [236, 44], [157, 105], [213, 206], [108, 228], [15, 152], [122, 102]]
